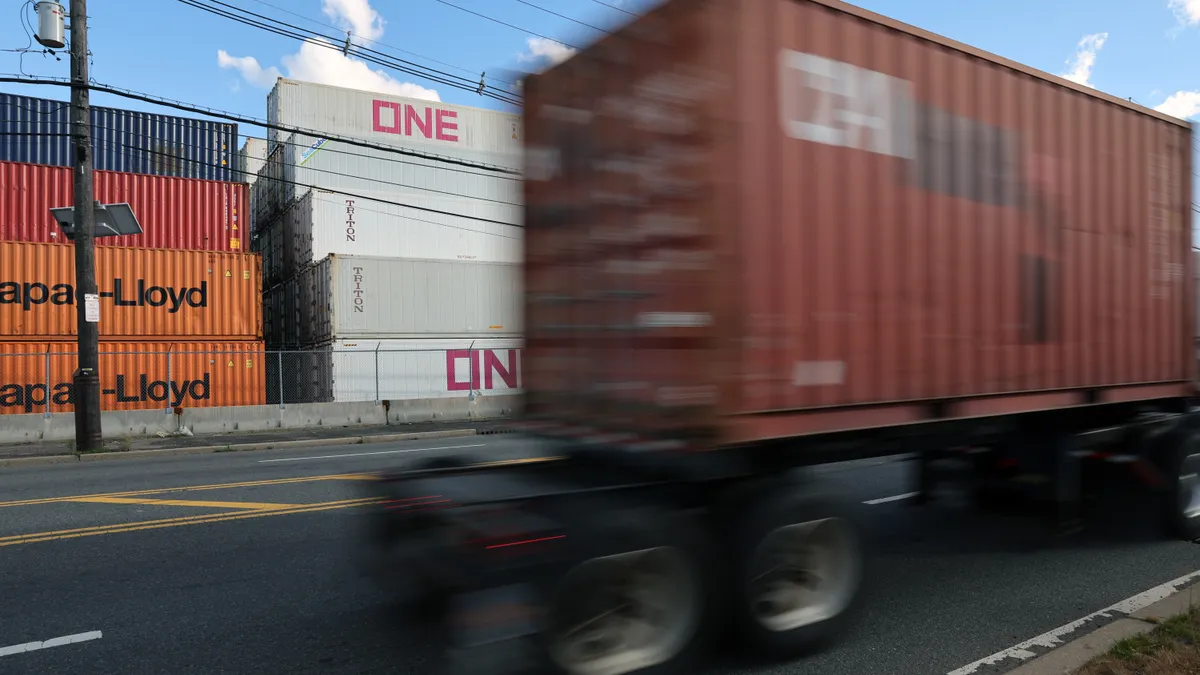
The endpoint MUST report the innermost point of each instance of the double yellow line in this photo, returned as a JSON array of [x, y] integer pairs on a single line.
[[38, 537], [189, 488]]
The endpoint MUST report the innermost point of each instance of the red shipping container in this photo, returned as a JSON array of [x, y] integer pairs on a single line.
[[175, 213], [759, 219]]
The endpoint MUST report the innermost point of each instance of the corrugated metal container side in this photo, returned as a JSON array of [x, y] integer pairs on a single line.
[[403, 370], [321, 224], [250, 160], [175, 213], [427, 125], [826, 220], [36, 376], [359, 297], [145, 294], [36, 131]]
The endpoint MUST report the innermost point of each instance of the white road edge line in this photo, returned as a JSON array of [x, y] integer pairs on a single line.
[[367, 454], [54, 642], [1054, 638], [893, 498]]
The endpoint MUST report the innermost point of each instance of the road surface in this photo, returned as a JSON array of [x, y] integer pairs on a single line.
[[109, 567]]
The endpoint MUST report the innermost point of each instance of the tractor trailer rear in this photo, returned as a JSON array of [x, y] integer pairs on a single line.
[[767, 234]]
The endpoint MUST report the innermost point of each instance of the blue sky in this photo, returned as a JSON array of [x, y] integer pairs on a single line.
[[1144, 49]]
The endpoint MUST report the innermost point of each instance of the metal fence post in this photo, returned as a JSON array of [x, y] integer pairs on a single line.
[[377, 345], [280, 379], [49, 387], [167, 411]]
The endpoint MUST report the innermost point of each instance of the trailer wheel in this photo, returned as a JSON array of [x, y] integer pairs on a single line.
[[801, 558], [1179, 456], [637, 595]]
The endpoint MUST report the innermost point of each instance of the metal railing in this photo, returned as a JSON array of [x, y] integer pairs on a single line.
[[41, 382]]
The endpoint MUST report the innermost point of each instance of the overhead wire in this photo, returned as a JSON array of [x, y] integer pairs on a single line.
[[619, 9], [505, 23], [243, 119], [563, 16], [330, 172], [384, 44], [285, 29]]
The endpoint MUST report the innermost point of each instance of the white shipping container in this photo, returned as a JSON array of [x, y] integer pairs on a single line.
[[250, 160], [361, 297], [322, 223], [398, 370], [392, 120]]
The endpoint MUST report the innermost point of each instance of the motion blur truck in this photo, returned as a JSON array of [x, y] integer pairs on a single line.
[[763, 235]]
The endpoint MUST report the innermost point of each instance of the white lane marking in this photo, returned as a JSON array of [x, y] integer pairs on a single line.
[[893, 498], [53, 642], [368, 454], [1054, 638]]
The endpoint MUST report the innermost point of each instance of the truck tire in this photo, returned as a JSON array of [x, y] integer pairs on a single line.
[[800, 565], [1178, 455], [636, 595]]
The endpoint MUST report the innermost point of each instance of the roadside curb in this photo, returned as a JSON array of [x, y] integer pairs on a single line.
[[239, 447], [1071, 656]]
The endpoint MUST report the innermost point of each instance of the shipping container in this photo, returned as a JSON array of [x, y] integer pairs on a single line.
[[36, 377], [429, 126], [361, 298], [37, 131], [145, 294], [323, 223], [250, 159], [820, 219], [175, 213], [398, 370]]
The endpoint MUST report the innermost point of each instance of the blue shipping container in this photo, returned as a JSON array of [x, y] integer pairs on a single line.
[[36, 131]]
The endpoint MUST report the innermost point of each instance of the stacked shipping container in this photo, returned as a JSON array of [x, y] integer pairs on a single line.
[[367, 249], [180, 304]]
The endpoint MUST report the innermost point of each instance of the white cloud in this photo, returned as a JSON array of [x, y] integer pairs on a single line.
[[1187, 11], [1181, 104], [545, 51], [1079, 66], [356, 16], [249, 68], [320, 64]]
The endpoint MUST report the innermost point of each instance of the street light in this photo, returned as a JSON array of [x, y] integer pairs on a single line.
[[106, 220]]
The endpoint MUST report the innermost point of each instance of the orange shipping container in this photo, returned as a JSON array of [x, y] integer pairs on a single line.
[[145, 294], [36, 376], [757, 219]]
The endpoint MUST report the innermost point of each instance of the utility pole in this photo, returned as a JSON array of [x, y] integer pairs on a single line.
[[86, 385]]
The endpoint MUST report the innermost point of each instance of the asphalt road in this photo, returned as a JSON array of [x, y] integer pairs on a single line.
[[252, 570]]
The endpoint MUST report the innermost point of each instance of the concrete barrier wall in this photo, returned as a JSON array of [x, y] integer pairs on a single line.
[[135, 423]]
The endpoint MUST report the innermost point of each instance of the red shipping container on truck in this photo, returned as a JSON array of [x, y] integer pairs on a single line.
[[35, 376], [759, 219], [175, 213], [145, 294]]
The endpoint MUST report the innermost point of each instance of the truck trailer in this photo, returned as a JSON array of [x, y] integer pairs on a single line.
[[763, 235]]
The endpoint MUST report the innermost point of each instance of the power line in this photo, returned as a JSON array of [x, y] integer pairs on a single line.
[[242, 119], [605, 4], [328, 42], [324, 171], [563, 16], [384, 44], [338, 151], [502, 23]]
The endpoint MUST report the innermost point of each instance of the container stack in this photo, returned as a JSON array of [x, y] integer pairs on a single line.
[[414, 255], [180, 304]]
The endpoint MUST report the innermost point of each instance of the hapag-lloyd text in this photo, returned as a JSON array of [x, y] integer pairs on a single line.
[[137, 389], [30, 294]]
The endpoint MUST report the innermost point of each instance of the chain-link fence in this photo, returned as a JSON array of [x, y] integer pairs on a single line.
[[41, 382]]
